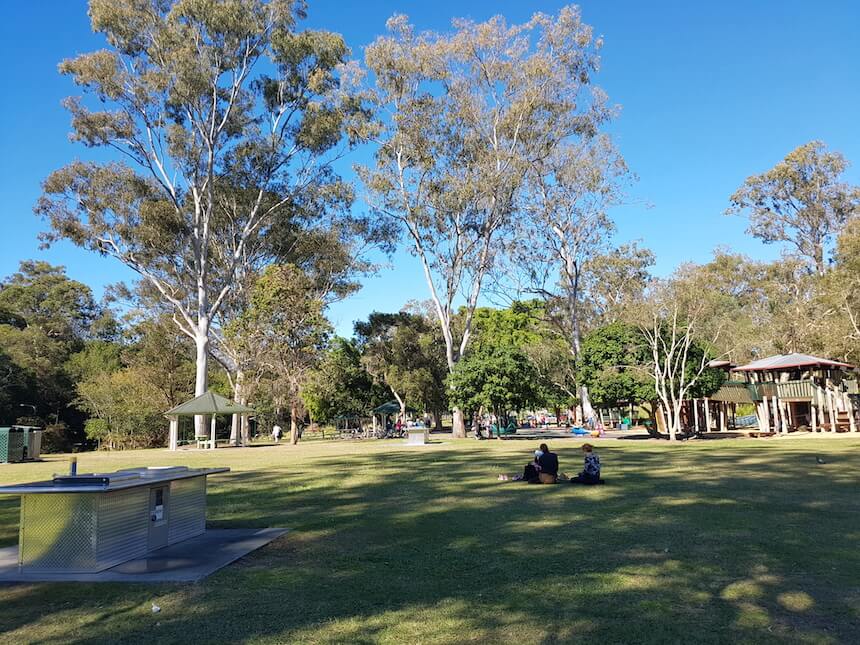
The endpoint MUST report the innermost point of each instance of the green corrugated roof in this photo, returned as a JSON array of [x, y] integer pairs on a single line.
[[733, 392], [392, 407], [208, 403]]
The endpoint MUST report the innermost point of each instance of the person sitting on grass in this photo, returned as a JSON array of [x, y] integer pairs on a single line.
[[591, 471], [548, 464], [542, 470]]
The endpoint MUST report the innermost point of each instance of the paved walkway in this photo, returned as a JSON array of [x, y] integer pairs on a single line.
[[187, 561]]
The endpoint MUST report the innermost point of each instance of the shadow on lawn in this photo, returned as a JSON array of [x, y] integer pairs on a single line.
[[695, 546]]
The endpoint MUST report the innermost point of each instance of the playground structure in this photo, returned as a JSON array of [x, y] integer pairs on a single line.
[[788, 392]]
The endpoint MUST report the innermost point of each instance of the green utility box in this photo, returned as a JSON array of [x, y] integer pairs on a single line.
[[20, 443]]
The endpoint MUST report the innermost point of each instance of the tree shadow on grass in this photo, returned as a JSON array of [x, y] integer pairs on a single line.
[[694, 546]]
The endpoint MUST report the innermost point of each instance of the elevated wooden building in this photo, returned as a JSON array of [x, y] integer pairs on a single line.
[[789, 392]]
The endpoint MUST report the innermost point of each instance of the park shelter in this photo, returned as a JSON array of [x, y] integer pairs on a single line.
[[207, 404], [792, 391], [390, 407]]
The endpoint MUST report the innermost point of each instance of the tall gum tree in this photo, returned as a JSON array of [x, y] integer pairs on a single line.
[[192, 122], [462, 116], [801, 202], [566, 225]]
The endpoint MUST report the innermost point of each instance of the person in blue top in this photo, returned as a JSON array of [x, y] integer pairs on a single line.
[[591, 472]]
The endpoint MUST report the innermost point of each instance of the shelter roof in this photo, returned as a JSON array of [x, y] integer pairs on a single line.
[[789, 361], [208, 403], [390, 408]]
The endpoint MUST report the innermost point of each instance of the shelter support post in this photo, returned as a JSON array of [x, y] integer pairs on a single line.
[[813, 409], [696, 415], [849, 407], [778, 405], [707, 415], [173, 433], [830, 411], [212, 433]]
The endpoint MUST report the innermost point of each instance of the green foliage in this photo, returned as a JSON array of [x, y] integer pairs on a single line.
[[41, 295], [501, 379], [46, 320], [514, 326], [96, 357], [228, 119], [404, 351], [524, 326], [613, 364], [340, 386], [125, 410], [97, 430]]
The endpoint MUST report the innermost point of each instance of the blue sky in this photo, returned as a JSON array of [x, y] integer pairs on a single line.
[[711, 92]]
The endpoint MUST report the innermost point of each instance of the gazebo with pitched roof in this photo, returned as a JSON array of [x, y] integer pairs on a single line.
[[207, 404]]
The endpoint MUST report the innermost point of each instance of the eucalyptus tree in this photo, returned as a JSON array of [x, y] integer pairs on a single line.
[[838, 298], [401, 351], [567, 224], [200, 100], [614, 281], [330, 257], [679, 343], [287, 329], [801, 201], [462, 115]]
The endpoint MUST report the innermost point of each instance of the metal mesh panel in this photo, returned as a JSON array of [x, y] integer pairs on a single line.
[[4, 445], [58, 532], [123, 526], [15, 451], [187, 515]]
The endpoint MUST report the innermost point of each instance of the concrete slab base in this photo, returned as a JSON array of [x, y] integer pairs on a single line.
[[187, 561]]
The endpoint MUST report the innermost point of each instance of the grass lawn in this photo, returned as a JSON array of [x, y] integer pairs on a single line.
[[731, 541]]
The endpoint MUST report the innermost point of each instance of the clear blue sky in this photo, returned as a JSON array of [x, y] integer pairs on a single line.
[[711, 92]]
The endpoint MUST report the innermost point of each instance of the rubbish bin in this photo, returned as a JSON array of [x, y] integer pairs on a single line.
[[33, 443]]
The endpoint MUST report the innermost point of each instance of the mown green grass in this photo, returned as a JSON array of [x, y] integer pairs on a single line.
[[731, 541]]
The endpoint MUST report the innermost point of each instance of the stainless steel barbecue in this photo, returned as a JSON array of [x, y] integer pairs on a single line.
[[93, 521]]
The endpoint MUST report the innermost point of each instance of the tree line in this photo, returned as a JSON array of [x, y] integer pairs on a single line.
[[228, 128]]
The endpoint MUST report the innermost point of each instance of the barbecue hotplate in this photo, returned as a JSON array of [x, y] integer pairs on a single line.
[[129, 478]]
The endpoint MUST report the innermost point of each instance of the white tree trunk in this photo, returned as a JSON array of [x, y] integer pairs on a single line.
[[201, 379], [402, 403], [236, 427]]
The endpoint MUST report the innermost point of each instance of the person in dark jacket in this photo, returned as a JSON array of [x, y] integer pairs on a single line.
[[543, 469], [547, 465]]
